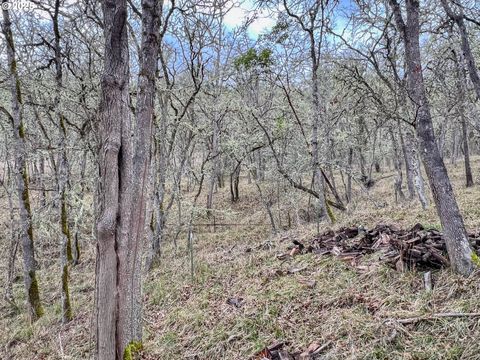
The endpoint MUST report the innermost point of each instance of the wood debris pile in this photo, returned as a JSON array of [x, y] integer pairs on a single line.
[[416, 248], [277, 351]]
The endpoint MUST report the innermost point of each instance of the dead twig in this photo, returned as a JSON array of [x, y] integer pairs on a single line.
[[414, 320]]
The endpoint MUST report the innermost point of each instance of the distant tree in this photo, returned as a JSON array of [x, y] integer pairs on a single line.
[[35, 309]]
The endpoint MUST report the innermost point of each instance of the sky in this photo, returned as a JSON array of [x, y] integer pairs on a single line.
[[265, 19], [240, 12]]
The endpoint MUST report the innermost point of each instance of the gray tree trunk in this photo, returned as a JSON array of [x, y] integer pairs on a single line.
[[13, 246], [35, 309], [460, 80], [459, 250], [124, 158], [62, 175], [399, 195]]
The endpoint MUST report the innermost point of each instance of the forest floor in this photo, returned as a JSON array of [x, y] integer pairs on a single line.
[[242, 298]]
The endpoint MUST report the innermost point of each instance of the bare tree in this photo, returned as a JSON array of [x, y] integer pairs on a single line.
[[312, 21], [35, 308], [452, 222], [460, 82], [459, 19]]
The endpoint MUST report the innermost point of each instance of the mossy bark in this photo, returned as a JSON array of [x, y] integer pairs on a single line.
[[62, 170], [131, 349], [35, 309], [67, 314], [66, 228], [34, 296]]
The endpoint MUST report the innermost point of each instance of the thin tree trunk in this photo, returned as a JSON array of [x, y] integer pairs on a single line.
[[35, 309], [399, 195], [318, 183], [76, 227], [459, 250], [349, 178], [268, 207], [62, 176], [461, 109], [12, 250], [409, 158]]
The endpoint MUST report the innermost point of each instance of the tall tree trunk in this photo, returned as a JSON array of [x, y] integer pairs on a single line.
[[35, 309], [460, 80], [459, 250], [318, 182], [124, 158], [62, 176], [12, 248], [79, 216], [215, 176]]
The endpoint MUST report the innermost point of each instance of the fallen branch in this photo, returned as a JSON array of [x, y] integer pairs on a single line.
[[414, 320]]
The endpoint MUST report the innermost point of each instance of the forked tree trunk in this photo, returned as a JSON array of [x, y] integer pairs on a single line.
[[34, 305], [459, 250], [124, 158]]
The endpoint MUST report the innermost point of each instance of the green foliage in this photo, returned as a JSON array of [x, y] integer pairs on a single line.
[[330, 212], [251, 59], [65, 227], [68, 315], [280, 125], [34, 296], [433, 226]]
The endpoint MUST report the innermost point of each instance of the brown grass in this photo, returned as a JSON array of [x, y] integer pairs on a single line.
[[190, 319]]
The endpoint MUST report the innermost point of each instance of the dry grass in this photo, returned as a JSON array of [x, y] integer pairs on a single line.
[[190, 318]]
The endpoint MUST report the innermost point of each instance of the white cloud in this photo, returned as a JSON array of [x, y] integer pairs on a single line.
[[261, 24], [237, 15]]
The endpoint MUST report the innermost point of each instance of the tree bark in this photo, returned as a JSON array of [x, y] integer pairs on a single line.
[[62, 175], [460, 80], [35, 309], [408, 157], [399, 195], [12, 248], [124, 158], [458, 248], [465, 44]]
